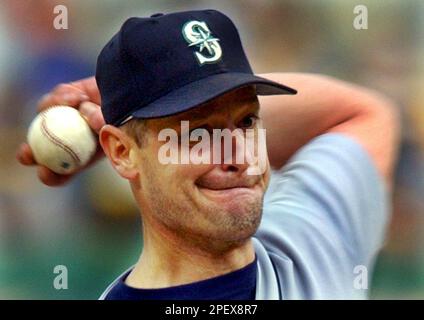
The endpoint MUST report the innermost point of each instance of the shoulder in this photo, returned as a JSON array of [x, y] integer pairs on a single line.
[[325, 211]]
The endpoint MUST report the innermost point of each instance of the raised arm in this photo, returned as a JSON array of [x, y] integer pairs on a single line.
[[323, 105]]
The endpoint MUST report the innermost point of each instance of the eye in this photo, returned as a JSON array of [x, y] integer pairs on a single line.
[[248, 121]]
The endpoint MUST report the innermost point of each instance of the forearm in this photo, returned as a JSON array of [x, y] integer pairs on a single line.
[[325, 105]]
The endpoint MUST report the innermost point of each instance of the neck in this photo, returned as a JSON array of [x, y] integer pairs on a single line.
[[171, 260]]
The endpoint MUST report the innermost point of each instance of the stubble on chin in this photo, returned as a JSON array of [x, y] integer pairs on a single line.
[[206, 224], [232, 223]]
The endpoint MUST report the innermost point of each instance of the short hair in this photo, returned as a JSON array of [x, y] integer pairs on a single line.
[[137, 130]]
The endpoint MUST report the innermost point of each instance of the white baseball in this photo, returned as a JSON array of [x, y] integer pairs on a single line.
[[61, 139]]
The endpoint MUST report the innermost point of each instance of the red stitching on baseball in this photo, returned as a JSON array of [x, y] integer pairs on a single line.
[[49, 135]]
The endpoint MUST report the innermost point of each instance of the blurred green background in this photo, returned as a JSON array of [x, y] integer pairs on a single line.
[[91, 226]]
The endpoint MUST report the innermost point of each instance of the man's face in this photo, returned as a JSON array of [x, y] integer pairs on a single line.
[[208, 203]]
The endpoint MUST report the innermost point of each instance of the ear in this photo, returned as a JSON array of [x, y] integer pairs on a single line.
[[120, 149]]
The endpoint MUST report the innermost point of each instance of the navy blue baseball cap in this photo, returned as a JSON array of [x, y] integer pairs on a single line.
[[169, 63]]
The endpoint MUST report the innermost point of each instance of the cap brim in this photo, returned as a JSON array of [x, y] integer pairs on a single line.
[[204, 90]]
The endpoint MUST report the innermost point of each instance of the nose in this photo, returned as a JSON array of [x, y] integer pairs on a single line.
[[233, 151]]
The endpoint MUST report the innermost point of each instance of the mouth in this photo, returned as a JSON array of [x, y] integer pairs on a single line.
[[230, 193]]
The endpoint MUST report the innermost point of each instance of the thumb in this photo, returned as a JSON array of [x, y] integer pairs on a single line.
[[93, 114]]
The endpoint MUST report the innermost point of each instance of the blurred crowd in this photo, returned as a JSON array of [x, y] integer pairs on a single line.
[[92, 225]]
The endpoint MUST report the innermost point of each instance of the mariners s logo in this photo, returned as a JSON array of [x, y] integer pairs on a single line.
[[197, 34]]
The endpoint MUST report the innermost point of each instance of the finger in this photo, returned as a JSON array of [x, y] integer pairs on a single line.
[[93, 114], [24, 155], [51, 178], [64, 94], [89, 86]]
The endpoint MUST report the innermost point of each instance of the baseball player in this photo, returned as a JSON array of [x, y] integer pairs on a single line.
[[298, 230]]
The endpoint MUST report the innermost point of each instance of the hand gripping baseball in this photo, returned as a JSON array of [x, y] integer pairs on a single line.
[[82, 95]]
